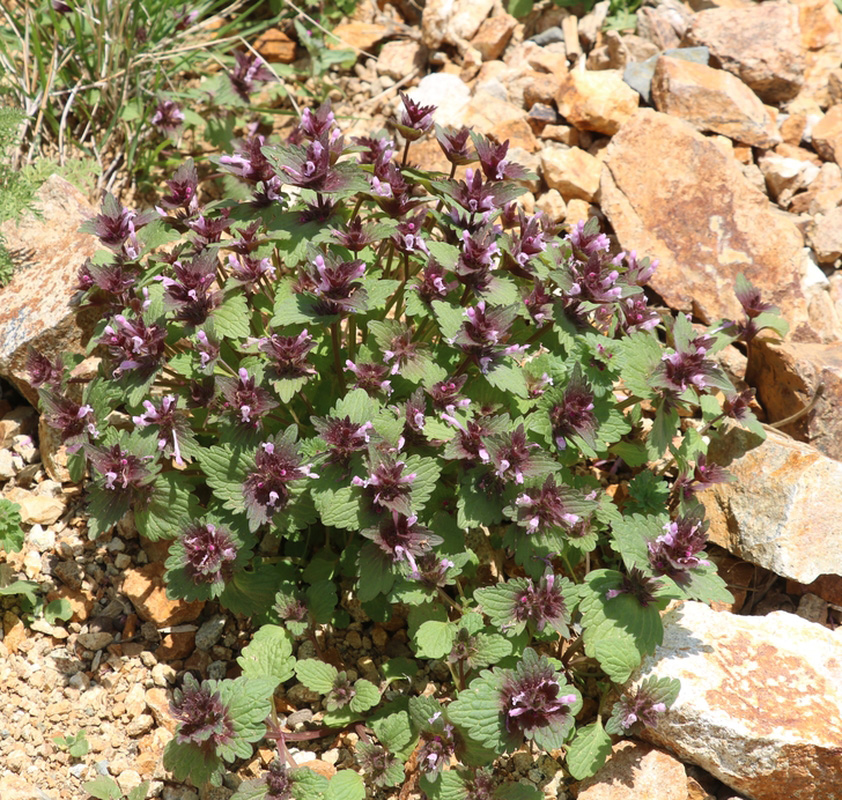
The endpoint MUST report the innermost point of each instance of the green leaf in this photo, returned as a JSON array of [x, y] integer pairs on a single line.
[[171, 502], [588, 751], [268, 655], [520, 8], [367, 696], [188, 761], [226, 470], [11, 533], [338, 506], [477, 710], [375, 576], [663, 430], [346, 785], [318, 676], [249, 703], [508, 378], [434, 639], [103, 788], [26, 588], [58, 609], [617, 656], [139, 792], [394, 731], [251, 592]]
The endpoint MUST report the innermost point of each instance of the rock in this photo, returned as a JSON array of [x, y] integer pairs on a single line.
[[812, 608], [777, 513], [596, 101], [449, 93], [701, 219], [760, 706], [786, 176], [821, 40], [37, 312], [399, 59], [144, 586], [538, 87], [95, 641], [639, 75], [664, 24], [140, 725], [788, 378], [7, 465], [275, 46], [572, 171], [636, 770], [493, 36], [13, 787], [552, 204], [128, 779], [14, 631], [823, 194], [762, 49], [489, 115], [357, 35], [43, 540], [320, 768], [451, 21], [712, 100], [176, 645], [35, 508], [135, 701], [81, 601], [578, 211], [159, 704], [827, 135], [825, 236]]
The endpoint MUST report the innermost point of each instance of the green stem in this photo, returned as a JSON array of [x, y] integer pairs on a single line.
[[336, 340]]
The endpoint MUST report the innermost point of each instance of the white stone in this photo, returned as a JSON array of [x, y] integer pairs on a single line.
[[449, 93], [760, 705]]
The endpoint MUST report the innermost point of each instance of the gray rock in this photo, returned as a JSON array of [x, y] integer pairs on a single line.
[[549, 36], [639, 74], [208, 634]]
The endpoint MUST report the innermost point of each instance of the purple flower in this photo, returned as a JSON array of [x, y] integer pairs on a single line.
[[475, 195], [245, 401], [116, 279], [355, 238], [703, 477], [116, 225], [309, 167], [408, 238], [639, 273], [415, 120], [573, 414], [208, 351], [476, 261], [43, 372], [189, 292], [183, 189], [687, 366], [638, 584], [530, 240], [249, 70], [336, 283], [400, 350], [637, 316], [437, 748], [288, 355], [485, 334], [134, 345], [60, 7], [483, 785], [201, 715], [342, 693], [541, 605], [751, 299], [247, 271], [391, 191], [431, 571], [534, 702], [371, 377], [343, 437], [378, 764], [168, 117], [492, 159], [401, 538], [170, 425], [416, 409], [279, 782], [209, 553], [66, 416], [432, 285], [267, 488], [541, 510], [539, 303], [316, 124], [125, 474], [676, 551], [387, 484], [511, 455], [446, 394], [377, 152], [454, 144], [209, 230], [738, 406], [587, 238], [641, 709], [249, 162]]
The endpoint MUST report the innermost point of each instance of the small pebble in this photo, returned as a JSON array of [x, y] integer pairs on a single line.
[[116, 545], [128, 779], [122, 561], [217, 670], [163, 675]]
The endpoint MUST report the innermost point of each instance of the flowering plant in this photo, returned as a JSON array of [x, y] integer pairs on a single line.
[[393, 387]]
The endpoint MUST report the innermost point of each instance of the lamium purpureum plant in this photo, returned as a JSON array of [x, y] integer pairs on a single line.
[[380, 391]]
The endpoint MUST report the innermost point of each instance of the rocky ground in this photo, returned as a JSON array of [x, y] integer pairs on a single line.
[[709, 138]]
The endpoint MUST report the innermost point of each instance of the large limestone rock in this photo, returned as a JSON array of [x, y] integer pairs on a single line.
[[788, 377], [596, 101], [712, 100], [760, 44], [783, 511], [452, 21], [760, 705], [35, 307], [674, 195]]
